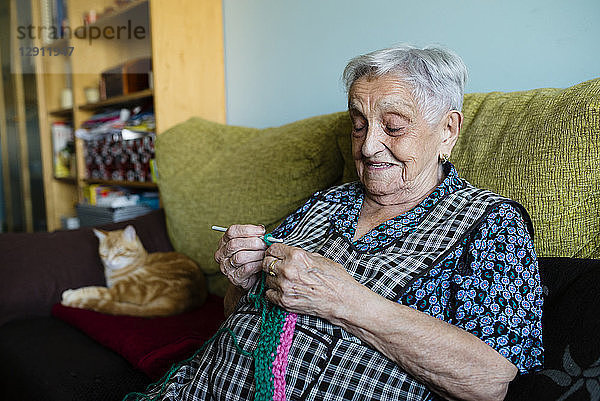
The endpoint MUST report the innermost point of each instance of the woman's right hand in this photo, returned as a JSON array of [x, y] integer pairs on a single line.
[[240, 254]]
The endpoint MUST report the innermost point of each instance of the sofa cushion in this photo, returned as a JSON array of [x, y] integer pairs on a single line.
[[214, 174], [42, 265], [151, 345], [540, 148]]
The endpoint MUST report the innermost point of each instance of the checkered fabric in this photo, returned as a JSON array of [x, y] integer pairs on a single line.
[[388, 271], [325, 362]]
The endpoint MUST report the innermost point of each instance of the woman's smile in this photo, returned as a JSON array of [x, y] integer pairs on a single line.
[[378, 165]]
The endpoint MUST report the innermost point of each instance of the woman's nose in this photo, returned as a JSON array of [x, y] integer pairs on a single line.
[[373, 142]]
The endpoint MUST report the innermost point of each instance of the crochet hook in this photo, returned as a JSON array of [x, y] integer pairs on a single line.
[[267, 237]]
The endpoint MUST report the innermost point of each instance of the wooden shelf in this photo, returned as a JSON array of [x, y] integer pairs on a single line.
[[68, 180], [62, 112], [130, 184], [118, 100], [118, 12]]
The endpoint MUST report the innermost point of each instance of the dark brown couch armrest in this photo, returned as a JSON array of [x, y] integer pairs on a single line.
[[36, 268]]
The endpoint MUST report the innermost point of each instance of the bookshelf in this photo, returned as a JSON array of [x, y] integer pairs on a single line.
[[118, 12], [66, 113], [118, 100], [184, 38], [130, 184]]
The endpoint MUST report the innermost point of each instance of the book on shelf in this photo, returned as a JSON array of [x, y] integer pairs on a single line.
[[63, 146], [54, 19]]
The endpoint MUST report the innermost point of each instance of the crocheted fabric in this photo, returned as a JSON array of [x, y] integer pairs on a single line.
[[271, 354]]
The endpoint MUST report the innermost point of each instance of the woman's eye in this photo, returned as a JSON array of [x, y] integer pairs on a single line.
[[359, 129], [394, 130]]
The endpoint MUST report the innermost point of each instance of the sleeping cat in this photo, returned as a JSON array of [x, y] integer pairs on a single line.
[[140, 283]]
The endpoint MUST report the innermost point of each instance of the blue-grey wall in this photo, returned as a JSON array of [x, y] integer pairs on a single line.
[[284, 58]]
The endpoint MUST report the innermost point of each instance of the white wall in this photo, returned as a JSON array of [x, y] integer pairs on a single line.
[[284, 58]]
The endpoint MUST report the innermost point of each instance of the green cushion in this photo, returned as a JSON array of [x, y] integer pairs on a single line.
[[541, 148], [214, 174], [345, 144]]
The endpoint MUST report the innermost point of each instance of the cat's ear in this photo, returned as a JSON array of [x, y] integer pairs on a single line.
[[100, 234], [129, 233]]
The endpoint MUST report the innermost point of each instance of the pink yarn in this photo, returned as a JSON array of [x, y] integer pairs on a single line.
[[280, 362]]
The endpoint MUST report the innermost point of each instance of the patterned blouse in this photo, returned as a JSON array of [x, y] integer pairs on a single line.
[[489, 285]]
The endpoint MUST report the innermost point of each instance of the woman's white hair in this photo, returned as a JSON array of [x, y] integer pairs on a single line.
[[437, 75]]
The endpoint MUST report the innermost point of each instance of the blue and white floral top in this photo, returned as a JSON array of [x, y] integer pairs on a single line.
[[488, 285]]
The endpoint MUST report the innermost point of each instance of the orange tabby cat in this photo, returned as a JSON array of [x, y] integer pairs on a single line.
[[140, 283]]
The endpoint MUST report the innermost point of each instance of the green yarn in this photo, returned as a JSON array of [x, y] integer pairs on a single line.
[[265, 353], [272, 321], [266, 239]]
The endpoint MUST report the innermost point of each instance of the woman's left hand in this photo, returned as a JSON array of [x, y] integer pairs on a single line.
[[307, 283]]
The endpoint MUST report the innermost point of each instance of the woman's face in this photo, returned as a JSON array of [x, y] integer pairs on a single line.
[[395, 150]]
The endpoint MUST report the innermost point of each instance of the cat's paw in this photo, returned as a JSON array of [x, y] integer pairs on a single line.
[[82, 297], [73, 297], [77, 296], [69, 297]]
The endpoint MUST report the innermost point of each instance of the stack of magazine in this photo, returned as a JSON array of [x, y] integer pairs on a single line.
[[90, 215], [105, 204]]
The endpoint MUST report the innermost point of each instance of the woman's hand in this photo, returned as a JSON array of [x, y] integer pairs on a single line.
[[307, 283], [240, 254]]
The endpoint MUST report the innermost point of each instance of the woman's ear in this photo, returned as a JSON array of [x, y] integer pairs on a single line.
[[451, 129]]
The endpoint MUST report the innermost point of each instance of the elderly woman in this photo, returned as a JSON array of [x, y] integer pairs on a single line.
[[408, 285]]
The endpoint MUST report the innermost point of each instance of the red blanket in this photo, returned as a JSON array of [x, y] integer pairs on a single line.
[[150, 344]]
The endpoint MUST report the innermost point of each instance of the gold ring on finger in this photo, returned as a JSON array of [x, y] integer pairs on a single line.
[[272, 268]]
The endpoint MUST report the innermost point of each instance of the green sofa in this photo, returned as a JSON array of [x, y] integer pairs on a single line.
[[539, 147]]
